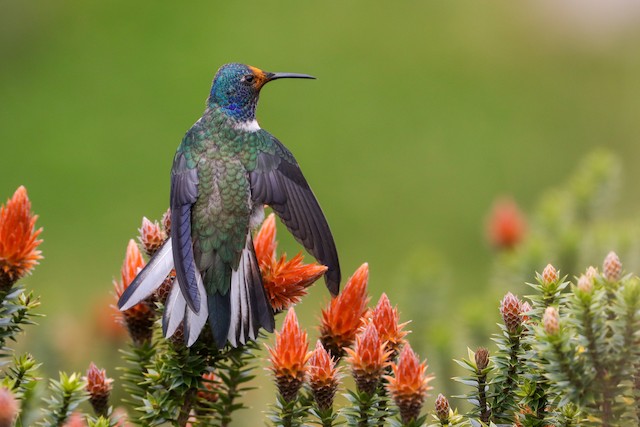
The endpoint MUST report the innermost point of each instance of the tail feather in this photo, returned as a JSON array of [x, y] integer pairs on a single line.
[[219, 317], [149, 279], [174, 311], [263, 311], [194, 322], [236, 316], [250, 309]]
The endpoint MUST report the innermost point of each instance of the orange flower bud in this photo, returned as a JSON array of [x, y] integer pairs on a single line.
[[99, 388], [139, 318], [612, 267], [506, 225], [289, 357], [368, 359], [442, 408], [511, 309], [550, 275], [75, 420], [18, 239], [208, 390], [8, 408], [151, 236], [323, 377], [386, 320], [342, 318], [551, 321], [585, 284], [409, 384]]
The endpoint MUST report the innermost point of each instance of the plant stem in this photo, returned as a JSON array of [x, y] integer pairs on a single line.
[[485, 412], [185, 410]]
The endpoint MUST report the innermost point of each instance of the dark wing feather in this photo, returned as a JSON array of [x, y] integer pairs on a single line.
[[184, 193], [278, 182]]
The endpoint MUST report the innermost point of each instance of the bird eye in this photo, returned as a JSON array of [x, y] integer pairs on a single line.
[[248, 79]]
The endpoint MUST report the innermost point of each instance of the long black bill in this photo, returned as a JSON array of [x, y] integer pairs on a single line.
[[275, 76]]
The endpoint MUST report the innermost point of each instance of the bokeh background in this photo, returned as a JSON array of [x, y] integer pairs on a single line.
[[423, 114]]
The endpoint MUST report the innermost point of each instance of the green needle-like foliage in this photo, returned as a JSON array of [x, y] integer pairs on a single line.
[[66, 394], [363, 411], [16, 311]]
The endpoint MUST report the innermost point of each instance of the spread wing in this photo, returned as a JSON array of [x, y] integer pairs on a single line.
[[278, 182], [184, 193]]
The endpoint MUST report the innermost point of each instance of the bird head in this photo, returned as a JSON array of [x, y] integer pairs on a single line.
[[236, 88]]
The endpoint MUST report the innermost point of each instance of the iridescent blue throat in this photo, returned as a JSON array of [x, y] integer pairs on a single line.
[[237, 101]]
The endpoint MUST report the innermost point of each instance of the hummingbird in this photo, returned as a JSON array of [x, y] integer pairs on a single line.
[[224, 172]]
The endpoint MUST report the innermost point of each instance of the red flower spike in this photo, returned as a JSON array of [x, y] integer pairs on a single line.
[[506, 225], [18, 239], [8, 408], [511, 309], [139, 318], [99, 388], [75, 420], [151, 237], [408, 385], [323, 377], [386, 320], [612, 267], [368, 359], [284, 281], [343, 316], [208, 389], [289, 357]]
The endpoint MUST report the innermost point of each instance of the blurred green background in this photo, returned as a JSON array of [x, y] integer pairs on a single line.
[[423, 113]]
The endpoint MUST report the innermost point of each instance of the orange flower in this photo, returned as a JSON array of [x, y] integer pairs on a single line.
[[284, 281], [18, 239], [99, 388], [409, 384], [139, 318], [151, 236], [368, 359], [8, 408], [385, 318], [323, 377], [343, 317], [289, 357], [506, 225], [75, 420], [106, 320], [208, 390]]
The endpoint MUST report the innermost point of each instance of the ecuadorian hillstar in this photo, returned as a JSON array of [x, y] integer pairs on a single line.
[[224, 172]]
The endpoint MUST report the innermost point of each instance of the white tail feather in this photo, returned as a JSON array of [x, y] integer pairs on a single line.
[[150, 278], [242, 322], [194, 322], [174, 310]]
